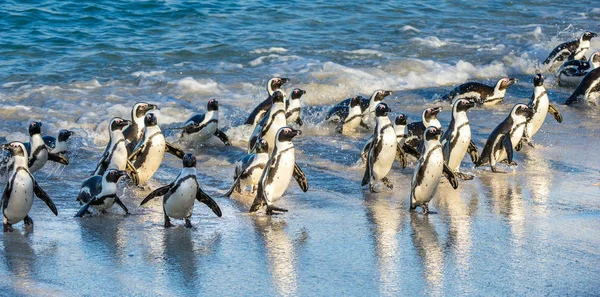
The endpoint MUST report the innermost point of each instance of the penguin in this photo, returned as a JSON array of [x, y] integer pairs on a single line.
[[413, 144], [115, 155], [457, 141], [540, 105], [572, 72], [588, 90], [505, 137], [58, 145], [368, 105], [248, 169], [202, 126], [481, 93], [100, 192], [292, 110], [261, 109], [347, 117], [179, 196], [148, 154], [38, 151], [278, 173], [17, 198], [382, 151], [401, 129], [133, 133], [428, 171], [270, 123], [571, 50]]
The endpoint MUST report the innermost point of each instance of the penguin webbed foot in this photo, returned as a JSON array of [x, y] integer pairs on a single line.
[[271, 209], [168, 222], [425, 209], [28, 221], [496, 170], [387, 183], [188, 223], [464, 176], [8, 227]]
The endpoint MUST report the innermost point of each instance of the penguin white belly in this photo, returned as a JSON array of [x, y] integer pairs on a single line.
[[106, 204], [423, 192], [154, 157], [254, 178], [42, 158], [206, 133], [385, 159], [467, 95], [119, 157], [538, 117], [294, 110], [278, 122], [180, 204], [21, 198], [457, 153], [282, 178], [352, 124]]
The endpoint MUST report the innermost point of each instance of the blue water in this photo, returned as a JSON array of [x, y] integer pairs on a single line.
[[76, 64]]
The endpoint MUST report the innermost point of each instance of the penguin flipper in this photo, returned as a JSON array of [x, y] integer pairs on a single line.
[[401, 156], [411, 151], [233, 186], [555, 113], [102, 164], [222, 137], [174, 150], [299, 121], [120, 203], [83, 210], [450, 176], [5, 196], [138, 149], [204, 198], [158, 192], [473, 152], [508, 146], [367, 175], [132, 173], [42, 195], [365, 125], [300, 178], [58, 158], [259, 200]]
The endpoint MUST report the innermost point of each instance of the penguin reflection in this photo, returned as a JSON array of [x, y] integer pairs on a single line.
[[104, 236], [429, 249], [19, 256], [386, 217], [539, 178], [505, 192], [281, 253]]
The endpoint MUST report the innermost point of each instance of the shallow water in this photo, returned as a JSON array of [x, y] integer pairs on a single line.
[[75, 65]]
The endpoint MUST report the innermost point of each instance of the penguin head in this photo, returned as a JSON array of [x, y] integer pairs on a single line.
[[213, 104], [277, 97], [431, 113], [587, 35], [150, 120], [140, 109], [63, 135], [381, 110], [275, 83], [35, 128], [355, 101], [433, 133], [113, 175], [189, 160], [506, 82], [538, 80], [522, 110], [262, 146], [297, 93], [16, 149], [118, 123], [401, 119], [286, 134], [463, 105], [380, 94]]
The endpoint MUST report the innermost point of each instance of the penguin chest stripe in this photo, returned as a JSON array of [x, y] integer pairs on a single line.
[[421, 176], [268, 126], [275, 165], [199, 127]]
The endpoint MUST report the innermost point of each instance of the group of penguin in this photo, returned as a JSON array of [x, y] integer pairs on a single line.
[[136, 148]]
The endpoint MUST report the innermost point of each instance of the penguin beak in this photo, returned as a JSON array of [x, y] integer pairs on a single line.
[[6, 146], [594, 34], [121, 173], [436, 110], [284, 80], [296, 132], [512, 81], [471, 104], [387, 93], [70, 133]]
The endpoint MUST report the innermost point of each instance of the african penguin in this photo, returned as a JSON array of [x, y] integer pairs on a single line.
[[367, 106], [347, 117], [457, 140], [38, 151], [413, 143], [179, 196], [100, 192], [383, 150], [540, 104], [148, 154], [481, 93], [572, 72], [58, 145], [261, 109], [401, 129], [248, 169], [278, 173], [505, 137], [133, 133], [588, 90], [270, 123], [428, 171], [115, 155], [203, 126], [17, 198], [292, 109], [571, 50]]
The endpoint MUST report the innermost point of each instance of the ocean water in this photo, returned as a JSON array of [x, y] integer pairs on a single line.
[[76, 64]]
